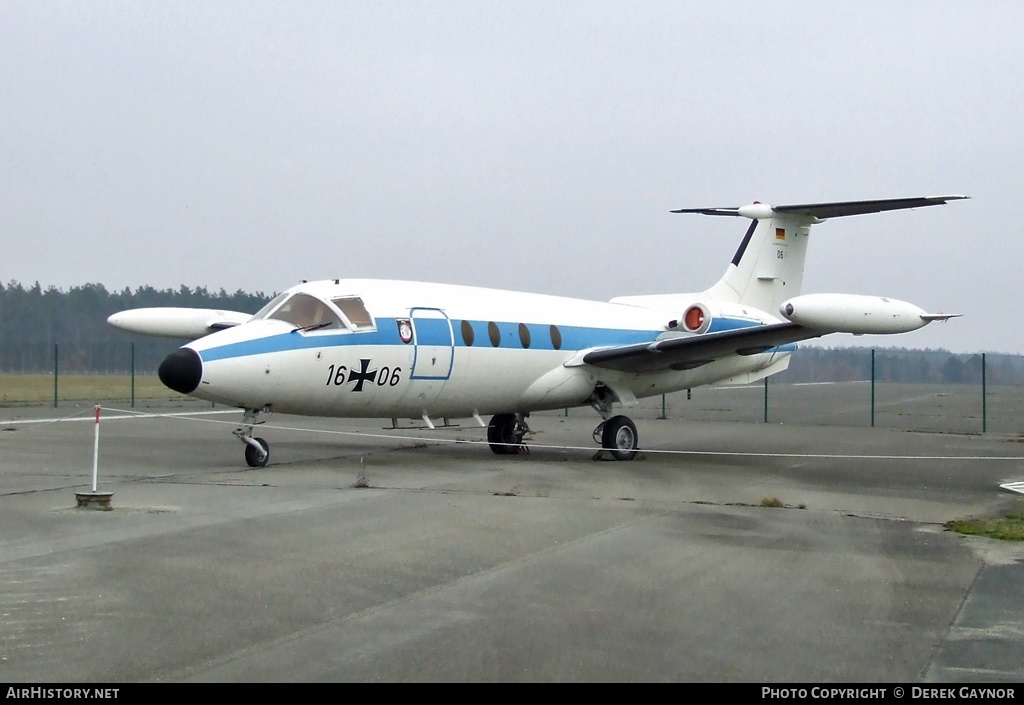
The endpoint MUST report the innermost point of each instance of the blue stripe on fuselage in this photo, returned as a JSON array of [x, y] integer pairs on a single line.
[[572, 338]]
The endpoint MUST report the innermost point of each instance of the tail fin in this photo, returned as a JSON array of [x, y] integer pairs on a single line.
[[768, 267]]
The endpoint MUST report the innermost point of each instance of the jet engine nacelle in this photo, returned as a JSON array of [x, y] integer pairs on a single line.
[[698, 317], [852, 313]]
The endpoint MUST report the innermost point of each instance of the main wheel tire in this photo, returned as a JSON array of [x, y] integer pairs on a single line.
[[619, 437], [252, 456], [502, 435]]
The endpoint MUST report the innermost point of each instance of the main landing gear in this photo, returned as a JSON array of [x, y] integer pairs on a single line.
[[505, 434], [257, 450], [616, 434]]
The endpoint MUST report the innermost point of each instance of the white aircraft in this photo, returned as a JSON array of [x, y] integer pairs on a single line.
[[372, 348]]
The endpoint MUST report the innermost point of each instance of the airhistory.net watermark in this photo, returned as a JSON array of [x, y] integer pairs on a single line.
[[62, 693]]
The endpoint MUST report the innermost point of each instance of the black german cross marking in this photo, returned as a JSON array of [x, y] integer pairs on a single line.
[[362, 375]]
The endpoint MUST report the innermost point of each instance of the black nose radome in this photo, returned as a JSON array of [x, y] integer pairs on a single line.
[[181, 370]]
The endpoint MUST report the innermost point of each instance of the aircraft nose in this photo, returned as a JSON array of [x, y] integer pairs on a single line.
[[181, 370]]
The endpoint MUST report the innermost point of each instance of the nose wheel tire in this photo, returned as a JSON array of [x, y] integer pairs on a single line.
[[619, 437], [253, 457]]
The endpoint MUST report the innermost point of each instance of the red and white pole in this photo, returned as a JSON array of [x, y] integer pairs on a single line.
[[96, 449]]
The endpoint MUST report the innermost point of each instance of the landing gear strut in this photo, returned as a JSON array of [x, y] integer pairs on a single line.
[[257, 450], [505, 433], [616, 434]]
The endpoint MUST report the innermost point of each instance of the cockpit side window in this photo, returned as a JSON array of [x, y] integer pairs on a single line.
[[355, 311], [308, 312]]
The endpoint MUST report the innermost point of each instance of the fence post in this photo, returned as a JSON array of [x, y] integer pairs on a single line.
[[55, 375], [133, 373], [663, 415], [984, 418], [872, 387], [766, 400]]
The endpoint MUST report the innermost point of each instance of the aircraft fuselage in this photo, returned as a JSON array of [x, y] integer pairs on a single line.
[[444, 351]]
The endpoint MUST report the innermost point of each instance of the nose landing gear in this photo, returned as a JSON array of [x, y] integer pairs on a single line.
[[257, 450]]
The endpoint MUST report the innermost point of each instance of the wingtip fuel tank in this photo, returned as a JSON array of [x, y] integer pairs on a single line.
[[857, 314], [169, 322]]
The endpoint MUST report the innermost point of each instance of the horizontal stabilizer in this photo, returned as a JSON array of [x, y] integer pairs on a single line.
[[823, 211], [709, 211]]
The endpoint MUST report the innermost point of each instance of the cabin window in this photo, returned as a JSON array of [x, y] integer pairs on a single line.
[[524, 335], [307, 312], [556, 338], [467, 333], [494, 334], [355, 311]]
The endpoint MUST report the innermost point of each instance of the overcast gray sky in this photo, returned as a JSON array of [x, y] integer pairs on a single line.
[[525, 145]]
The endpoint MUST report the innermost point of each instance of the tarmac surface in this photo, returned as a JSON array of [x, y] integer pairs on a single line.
[[362, 554]]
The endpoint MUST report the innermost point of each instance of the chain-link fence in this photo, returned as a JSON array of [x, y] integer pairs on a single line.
[[978, 393], [142, 357], [32, 373]]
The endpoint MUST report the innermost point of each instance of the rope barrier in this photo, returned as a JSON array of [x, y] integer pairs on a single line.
[[191, 416]]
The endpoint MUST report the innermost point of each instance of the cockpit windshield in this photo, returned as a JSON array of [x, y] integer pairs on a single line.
[[270, 306], [308, 313]]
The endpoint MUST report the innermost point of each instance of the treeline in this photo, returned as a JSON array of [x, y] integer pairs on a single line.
[[41, 329], [33, 320], [812, 364]]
